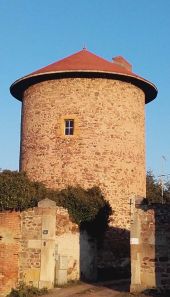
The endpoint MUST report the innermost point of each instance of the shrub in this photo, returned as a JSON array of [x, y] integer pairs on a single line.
[[26, 291], [83, 205], [87, 208], [17, 192]]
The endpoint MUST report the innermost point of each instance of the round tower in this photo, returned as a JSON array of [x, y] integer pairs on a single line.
[[83, 123]]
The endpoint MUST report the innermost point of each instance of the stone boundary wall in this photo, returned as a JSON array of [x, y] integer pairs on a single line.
[[10, 233], [36, 241], [150, 246]]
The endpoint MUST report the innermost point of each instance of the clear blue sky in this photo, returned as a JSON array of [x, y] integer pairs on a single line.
[[35, 33]]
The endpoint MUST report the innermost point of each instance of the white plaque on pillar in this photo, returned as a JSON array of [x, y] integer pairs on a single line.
[[134, 240]]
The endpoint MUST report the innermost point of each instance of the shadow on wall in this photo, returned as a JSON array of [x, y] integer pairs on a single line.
[[39, 252], [150, 247], [106, 260], [104, 250], [114, 255], [162, 245]]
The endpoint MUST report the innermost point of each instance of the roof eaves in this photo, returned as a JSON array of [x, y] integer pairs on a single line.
[[123, 75]]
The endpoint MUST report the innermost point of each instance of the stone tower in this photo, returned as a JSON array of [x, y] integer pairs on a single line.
[[83, 123]]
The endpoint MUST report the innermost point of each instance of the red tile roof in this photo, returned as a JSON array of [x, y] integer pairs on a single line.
[[85, 62]]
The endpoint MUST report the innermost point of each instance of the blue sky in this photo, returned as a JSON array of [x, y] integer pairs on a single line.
[[36, 33]]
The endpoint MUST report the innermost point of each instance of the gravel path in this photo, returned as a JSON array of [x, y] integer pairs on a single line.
[[107, 289]]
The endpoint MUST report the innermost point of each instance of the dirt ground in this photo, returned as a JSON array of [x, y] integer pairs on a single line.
[[106, 289]]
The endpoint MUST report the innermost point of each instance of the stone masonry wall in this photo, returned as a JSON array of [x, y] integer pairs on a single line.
[[28, 250], [108, 148], [30, 255], [150, 247], [66, 243], [10, 232]]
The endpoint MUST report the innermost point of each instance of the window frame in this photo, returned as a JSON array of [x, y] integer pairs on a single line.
[[69, 127]]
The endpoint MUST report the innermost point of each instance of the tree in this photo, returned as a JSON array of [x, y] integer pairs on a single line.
[[154, 190]]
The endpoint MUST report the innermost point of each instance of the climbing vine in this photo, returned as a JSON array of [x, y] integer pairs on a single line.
[[87, 208]]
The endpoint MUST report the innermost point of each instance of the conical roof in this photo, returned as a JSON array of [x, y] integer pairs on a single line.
[[85, 64], [82, 60]]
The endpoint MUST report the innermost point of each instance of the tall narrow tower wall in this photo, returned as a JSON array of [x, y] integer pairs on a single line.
[[108, 148]]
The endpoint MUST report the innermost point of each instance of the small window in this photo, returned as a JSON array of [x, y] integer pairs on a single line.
[[69, 127]]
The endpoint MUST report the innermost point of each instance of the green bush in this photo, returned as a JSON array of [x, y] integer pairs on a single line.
[[83, 205], [17, 192], [26, 291], [87, 208]]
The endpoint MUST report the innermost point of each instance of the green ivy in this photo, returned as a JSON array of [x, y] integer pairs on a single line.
[[17, 192], [87, 208]]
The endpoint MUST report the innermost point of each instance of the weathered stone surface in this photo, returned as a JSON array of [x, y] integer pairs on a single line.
[[30, 243], [10, 232], [47, 203], [108, 148], [150, 259]]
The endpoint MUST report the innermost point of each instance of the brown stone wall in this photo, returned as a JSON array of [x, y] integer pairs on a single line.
[[150, 247], [63, 223], [108, 148], [30, 255], [68, 243], [10, 233], [32, 243], [22, 243]]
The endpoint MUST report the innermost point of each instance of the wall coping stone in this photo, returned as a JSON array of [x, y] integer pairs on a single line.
[[47, 203]]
